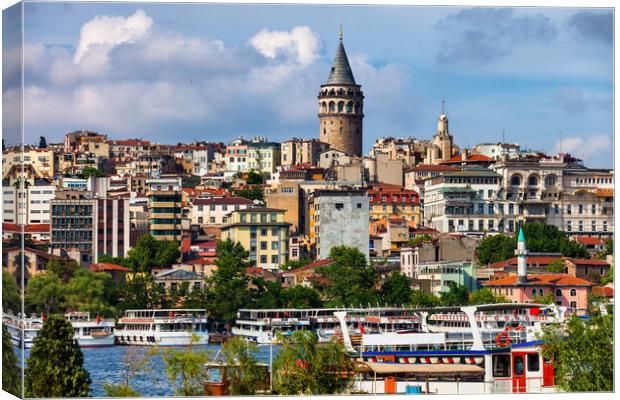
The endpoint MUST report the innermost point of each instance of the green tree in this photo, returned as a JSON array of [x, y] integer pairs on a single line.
[[396, 289], [301, 297], [582, 353], [254, 178], [495, 248], [11, 377], [64, 269], [294, 264], [90, 291], [485, 296], [608, 277], [351, 281], [556, 266], [11, 299], [607, 250], [420, 298], [304, 367], [457, 295], [255, 193], [246, 375], [42, 142], [228, 286], [544, 299], [55, 365], [149, 252], [88, 171], [45, 293], [185, 369], [543, 238], [124, 262], [190, 181], [419, 239]]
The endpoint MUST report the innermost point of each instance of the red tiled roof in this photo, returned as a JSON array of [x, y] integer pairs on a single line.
[[587, 240], [201, 261], [222, 200], [546, 260], [605, 192], [129, 142], [30, 228], [432, 168], [471, 158], [108, 267], [313, 265], [541, 280], [603, 291]]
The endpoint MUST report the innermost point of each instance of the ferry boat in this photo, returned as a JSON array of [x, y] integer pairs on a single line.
[[91, 333], [171, 327], [467, 351], [16, 325]]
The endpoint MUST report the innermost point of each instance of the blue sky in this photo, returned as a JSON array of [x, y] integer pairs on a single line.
[[179, 72]]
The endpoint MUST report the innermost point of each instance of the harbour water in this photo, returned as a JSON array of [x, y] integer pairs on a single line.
[[105, 365]]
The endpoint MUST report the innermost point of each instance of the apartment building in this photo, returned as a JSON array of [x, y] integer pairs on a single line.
[[36, 163], [165, 208], [301, 151], [216, 210], [30, 205], [392, 200]]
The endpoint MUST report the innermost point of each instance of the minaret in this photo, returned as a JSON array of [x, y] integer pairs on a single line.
[[521, 253], [341, 104], [442, 142]]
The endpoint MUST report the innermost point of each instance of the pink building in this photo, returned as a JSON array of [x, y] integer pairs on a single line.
[[568, 291]]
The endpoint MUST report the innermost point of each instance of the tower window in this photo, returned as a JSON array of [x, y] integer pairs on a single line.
[[332, 106], [340, 106], [350, 106], [341, 130]]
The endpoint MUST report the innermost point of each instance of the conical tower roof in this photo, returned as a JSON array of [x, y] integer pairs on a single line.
[[521, 235], [341, 73]]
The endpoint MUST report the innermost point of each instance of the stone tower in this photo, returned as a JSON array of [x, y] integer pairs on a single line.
[[341, 107], [442, 143]]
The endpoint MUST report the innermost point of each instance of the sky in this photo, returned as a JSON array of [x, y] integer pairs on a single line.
[[183, 72]]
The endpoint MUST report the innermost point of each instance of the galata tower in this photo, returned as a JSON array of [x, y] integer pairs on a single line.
[[341, 107]]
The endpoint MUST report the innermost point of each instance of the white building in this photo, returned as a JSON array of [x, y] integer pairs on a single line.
[[216, 210], [33, 209]]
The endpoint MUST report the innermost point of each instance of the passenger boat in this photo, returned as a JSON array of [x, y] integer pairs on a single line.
[[172, 327], [91, 333], [459, 350], [18, 326]]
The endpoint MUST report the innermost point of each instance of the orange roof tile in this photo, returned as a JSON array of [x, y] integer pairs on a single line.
[[541, 280], [587, 240]]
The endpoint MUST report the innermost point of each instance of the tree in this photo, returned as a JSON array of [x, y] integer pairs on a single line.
[[607, 250], [301, 297], [351, 281], [45, 293], [64, 269], [245, 375], [495, 248], [420, 298], [582, 353], [419, 239], [11, 300], [11, 377], [228, 286], [545, 299], [395, 289], [149, 252], [544, 238], [185, 369], [135, 360], [608, 277], [88, 171], [485, 296], [556, 266], [42, 142], [255, 193], [294, 264], [190, 181], [457, 295], [124, 262], [254, 178], [304, 367], [55, 366], [90, 291]]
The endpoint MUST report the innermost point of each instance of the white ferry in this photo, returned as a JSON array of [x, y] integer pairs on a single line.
[[171, 327], [475, 354], [16, 325], [91, 333]]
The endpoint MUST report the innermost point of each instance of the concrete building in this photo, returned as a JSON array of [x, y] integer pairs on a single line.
[[38, 161], [216, 210], [341, 104], [441, 273], [338, 217], [301, 151], [384, 170], [286, 195], [442, 146], [263, 156], [439, 249], [30, 205], [498, 151], [263, 232], [407, 150], [165, 208], [392, 200]]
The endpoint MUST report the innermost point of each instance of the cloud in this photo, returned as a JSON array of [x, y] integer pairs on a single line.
[[573, 99], [595, 26], [484, 35], [592, 149], [301, 44], [103, 33]]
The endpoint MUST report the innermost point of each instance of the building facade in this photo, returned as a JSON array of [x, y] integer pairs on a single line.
[[165, 208]]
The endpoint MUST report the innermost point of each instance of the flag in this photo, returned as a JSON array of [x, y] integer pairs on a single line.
[[361, 328]]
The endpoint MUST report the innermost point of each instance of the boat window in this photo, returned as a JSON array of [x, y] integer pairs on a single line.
[[533, 362], [501, 365]]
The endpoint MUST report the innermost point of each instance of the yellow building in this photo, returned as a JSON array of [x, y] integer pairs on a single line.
[[165, 208], [394, 201], [261, 231], [41, 160]]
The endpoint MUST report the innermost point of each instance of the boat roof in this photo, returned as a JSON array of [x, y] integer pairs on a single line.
[[486, 307], [425, 370]]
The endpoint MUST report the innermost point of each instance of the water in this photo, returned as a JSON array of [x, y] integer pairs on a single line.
[[105, 365]]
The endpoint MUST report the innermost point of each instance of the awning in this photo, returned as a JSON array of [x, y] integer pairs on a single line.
[[422, 370]]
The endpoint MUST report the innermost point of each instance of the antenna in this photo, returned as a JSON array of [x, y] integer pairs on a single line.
[[443, 106], [560, 142], [503, 136]]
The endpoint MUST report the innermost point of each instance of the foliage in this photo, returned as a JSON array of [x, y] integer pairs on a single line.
[[255, 193], [11, 299], [140, 291], [396, 290], [456, 295], [543, 238], [304, 367], [420, 298], [545, 299], [485, 296], [228, 286], [607, 250], [91, 291], [190, 181], [149, 252], [608, 277], [301, 297], [11, 378], [254, 178], [495, 248], [556, 266], [294, 264], [42, 142], [88, 171], [351, 281], [583, 354], [135, 360], [248, 375], [419, 239], [123, 262], [186, 365], [64, 269], [55, 366], [45, 293]]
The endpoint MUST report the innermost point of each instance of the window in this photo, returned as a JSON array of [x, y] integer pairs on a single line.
[[534, 292], [275, 245], [593, 208], [593, 226], [263, 259], [339, 206], [212, 220], [359, 205], [569, 226], [274, 259], [501, 366], [558, 292], [580, 208], [519, 365], [515, 181], [573, 292], [263, 232], [568, 209], [263, 245], [573, 305], [533, 362], [604, 226], [580, 226], [252, 235]]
